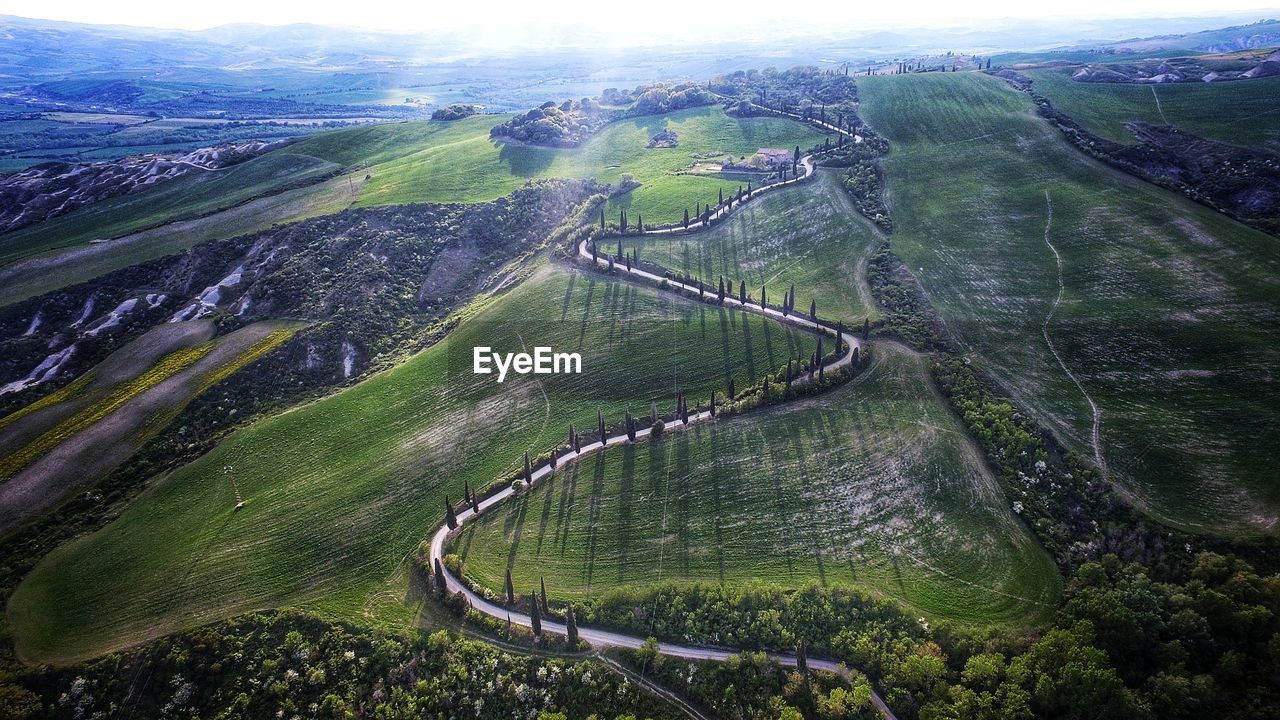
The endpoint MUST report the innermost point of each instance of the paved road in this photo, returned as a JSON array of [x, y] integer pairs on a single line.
[[698, 224], [607, 638]]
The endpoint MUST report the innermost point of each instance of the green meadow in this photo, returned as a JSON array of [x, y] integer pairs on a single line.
[[1242, 112], [874, 485], [339, 492], [438, 162], [1170, 317], [469, 166], [809, 236]]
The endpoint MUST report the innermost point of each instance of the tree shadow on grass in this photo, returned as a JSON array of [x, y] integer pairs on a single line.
[[626, 484], [593, 518], [523, 160]]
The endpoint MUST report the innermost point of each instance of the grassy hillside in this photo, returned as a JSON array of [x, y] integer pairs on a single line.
[[1169, 314], [340, 491], [403, 162], [1244, 112], [71, 437], [874, 485], [188, 196], [809, 235], [467, 166]]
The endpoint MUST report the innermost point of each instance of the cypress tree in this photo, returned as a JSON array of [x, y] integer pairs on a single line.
[[571, 435], [732, 391], [511, 589], [720, 295], [466, 492], [742, 291], [535, 616], [628, 263], [686, 218], [571, 627], [802, 659], [475, 503], [601, 218], [619, 248], [791, 302], [595, 256], [631, 427], [639, 223], [698, 209], [713, 403], [684, 409], [866, 328], [449, 518], [528, 468], [542, 595], [796, 158], [813, 309], [763, 298], [653, 413], [600, 421], [622, 221], [553, 458], [748, 189], [839, 336], [721, 197], [788, 375], [441, 586]]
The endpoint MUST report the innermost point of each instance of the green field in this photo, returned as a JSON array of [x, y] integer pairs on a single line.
[[874, 485], [1171, 313], [385, 164], [1243, 112], [191, 195], [809, 236], [468, 166], [341, 491]]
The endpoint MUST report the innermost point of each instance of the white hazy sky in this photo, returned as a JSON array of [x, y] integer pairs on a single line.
[[624, 17]]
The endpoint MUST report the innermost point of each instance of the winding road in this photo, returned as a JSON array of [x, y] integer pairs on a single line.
[[607, 638], [734, 202]]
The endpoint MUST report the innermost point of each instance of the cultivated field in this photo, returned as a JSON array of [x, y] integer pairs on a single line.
[[385, 164], [339, 492], [1169, 317], [1243, 112], [874, 485], [809, 236], [476, 168], [71, 437]]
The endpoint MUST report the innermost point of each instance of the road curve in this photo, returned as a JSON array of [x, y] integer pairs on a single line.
[[608, 638], [700, 224]]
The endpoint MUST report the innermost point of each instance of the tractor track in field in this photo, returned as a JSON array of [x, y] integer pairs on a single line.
[[608, 638], [1096, 434]]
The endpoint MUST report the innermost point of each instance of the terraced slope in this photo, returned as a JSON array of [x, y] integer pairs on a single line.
[[874, 485], [341, 491], [1168, 318], [809, 236], [1244, 112]]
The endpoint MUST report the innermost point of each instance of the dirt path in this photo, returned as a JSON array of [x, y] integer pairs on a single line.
[[1159, 107], [1096, 437]]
